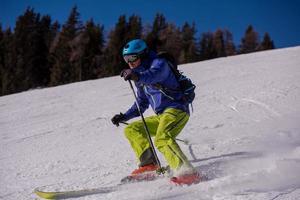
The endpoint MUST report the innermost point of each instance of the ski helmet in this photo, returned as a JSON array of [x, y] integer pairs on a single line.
[[135, 47]]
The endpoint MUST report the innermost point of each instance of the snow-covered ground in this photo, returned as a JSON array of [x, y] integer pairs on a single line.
[[244, 134]]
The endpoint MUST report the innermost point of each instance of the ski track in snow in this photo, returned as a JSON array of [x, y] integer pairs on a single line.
[[259, 111], [244, 134]]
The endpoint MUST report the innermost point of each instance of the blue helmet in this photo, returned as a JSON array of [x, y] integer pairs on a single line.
[[137, 47]]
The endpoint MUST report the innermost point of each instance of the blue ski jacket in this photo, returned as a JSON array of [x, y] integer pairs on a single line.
[[155, 74]]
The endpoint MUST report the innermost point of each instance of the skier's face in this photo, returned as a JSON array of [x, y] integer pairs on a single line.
[[135, 63]]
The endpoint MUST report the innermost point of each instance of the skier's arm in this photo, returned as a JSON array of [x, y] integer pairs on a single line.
[[156, 73], [143, 104]]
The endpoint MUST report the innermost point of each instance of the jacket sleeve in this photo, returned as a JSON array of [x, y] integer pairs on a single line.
[[143, 104], [158, 72]]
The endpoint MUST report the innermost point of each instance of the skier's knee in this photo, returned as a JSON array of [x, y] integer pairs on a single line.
[[160, 142], [128, 131], [131, 130]]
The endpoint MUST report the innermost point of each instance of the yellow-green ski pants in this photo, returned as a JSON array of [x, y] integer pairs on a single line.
[[165, 127]]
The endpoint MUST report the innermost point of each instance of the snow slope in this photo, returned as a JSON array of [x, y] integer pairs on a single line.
[[244, 134]]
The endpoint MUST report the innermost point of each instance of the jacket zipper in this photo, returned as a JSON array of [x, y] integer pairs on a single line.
[[146, 90], [166, 94]]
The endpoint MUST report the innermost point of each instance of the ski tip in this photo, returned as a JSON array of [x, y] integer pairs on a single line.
[[45, 195]]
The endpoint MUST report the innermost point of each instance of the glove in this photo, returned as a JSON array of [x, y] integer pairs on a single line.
[[118, 118], [128, 74]]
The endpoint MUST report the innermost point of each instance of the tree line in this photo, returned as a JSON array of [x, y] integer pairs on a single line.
[[42, 53]]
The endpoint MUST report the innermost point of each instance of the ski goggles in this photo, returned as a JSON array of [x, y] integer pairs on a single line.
[[131, 58]]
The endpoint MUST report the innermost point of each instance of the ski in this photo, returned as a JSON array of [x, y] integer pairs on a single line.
[[101, 190], [75, 193]]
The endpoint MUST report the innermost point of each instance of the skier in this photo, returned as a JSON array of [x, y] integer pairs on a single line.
[[150, 74]]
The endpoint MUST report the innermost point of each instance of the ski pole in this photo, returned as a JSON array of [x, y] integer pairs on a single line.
[[145, 125]]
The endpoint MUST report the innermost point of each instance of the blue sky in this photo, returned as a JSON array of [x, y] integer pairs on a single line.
[[280, 18]]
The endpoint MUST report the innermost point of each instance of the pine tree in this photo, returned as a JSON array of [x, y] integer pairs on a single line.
[[2, 49], [62, 70], [189, 50], [267, 43], [113, 53], [8, 69], [159, 25], [31, 50], [206, 48], [170, 39], [134, 28], [250, 41], [78, 47], [219, 44], [73, 25], [24, 36], [92, 56], [229, 44], [43, 40]]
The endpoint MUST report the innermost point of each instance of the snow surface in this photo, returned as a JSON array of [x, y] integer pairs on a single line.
[[244, 134]]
